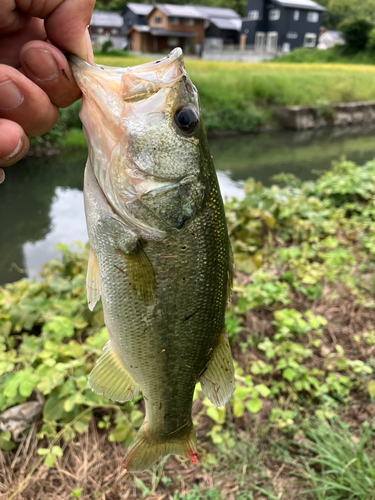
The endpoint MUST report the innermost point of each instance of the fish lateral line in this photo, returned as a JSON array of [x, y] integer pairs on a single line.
[[119, 268], [191, 315]]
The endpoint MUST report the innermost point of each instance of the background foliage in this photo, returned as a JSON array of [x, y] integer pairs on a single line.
[[301, 326]]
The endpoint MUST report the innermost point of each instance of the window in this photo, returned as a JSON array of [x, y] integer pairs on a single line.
[[158, 20], [292, 36], [114, 31], [260, 41], [312, 17], [253, 15], [296, 15], [310, 40], [174, 20], [188, 21], [274, 15], [172, 42], [272, 38], [100, 30]]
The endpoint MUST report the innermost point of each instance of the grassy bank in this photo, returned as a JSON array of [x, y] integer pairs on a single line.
[[302, 328], [337, 54], [240, 96]]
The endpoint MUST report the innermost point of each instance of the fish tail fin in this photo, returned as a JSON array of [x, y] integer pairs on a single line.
[[146, 448]]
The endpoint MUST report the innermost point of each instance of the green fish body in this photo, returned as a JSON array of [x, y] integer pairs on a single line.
[[160, 257]]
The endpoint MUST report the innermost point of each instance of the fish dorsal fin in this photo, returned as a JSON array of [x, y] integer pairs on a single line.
[[217, 380], [109, 378], [93, 281]]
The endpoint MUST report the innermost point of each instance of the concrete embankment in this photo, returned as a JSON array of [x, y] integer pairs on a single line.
[[309, 117]]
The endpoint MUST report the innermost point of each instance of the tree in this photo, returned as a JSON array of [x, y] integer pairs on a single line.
[[110, 5], [350, 10], [356, 34]]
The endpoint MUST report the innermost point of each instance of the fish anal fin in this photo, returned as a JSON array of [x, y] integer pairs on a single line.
[[140, 273], [217, 381], [93, 280], [109, 378], [146, 448]]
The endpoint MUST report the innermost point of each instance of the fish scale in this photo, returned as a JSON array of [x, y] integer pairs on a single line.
[[160, 256]]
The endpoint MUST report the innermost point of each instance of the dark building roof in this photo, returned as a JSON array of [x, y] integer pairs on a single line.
[[140, 9], [301, 4], [227, 24], [195, 11], [107, 19]]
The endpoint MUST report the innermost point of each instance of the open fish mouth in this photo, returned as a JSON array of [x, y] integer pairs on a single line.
[[133, 83]]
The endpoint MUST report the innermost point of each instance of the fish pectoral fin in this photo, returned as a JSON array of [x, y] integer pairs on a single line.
[[146, 448], [217, 380], [93, 281], [109, 378], [140, 273]]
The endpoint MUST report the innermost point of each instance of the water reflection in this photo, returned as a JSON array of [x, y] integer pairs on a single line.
[[41, 200], [67, 225]]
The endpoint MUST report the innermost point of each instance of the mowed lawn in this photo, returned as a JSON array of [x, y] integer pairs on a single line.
[[264, 84]]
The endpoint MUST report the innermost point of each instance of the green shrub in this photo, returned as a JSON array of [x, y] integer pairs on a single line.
[[356, 34]]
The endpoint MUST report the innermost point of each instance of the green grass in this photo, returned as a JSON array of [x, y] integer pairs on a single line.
[[225, 84], [75, 138], [339, 464], [336, 54], [240, 96]]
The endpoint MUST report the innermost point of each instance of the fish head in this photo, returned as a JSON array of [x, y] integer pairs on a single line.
[[144, 132]]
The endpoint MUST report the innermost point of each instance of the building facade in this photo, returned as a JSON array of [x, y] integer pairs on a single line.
[[106, 26], [187, 26], [135, 14], [282, 25]]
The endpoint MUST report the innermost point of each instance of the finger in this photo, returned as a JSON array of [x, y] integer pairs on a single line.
[[25, 103], [14, 143], [11, 43], [65, 21], [46, 66]]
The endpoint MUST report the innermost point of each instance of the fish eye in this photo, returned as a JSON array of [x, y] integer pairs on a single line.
[[186, 119]]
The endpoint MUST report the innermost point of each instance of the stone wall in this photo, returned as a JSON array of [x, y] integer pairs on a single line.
[[303, 117]]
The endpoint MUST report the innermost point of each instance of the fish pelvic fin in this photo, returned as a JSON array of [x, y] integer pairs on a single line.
[[109, 378], [146, 448], [93, 281], [217, 381]]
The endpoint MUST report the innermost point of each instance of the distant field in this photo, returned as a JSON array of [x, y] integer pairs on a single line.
[[240, 95], [274, 83]]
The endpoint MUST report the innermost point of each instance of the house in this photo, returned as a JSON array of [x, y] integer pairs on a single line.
[[186, 26], [135, 14], [330, 38], [106, 26], [223, 26], [168, 26], [282, 25]]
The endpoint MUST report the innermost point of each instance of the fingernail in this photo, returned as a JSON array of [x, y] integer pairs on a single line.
[[89, 52], [10, 95], [14, 152], [2, 175], [41, 63]]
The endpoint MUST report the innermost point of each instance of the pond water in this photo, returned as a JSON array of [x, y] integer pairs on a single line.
[[41, 202]]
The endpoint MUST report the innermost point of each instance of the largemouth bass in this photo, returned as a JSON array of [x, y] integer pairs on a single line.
[[160, 256]]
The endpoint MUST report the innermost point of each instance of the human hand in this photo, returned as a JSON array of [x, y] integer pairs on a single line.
[[35, 78]]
